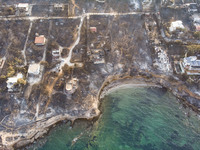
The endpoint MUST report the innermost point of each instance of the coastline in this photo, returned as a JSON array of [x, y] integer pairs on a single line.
[[112, 83], [29, 118], [126, 84], [121, 83]]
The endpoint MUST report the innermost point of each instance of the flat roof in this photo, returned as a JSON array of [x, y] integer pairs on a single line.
[[34, 69], [23, 4], [40, 39], [15, 78]]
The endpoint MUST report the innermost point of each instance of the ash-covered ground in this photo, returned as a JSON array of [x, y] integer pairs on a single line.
[[88, 44]]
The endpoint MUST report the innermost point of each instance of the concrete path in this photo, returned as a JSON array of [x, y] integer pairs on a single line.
[[25, 45]]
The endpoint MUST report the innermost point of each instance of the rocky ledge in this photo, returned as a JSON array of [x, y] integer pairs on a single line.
[[26, 134]]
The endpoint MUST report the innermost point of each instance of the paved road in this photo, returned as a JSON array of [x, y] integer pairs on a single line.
[[32, 18]]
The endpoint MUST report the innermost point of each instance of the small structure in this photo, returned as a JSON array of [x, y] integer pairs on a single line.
[[59, 7], [55, 54], [77, 58], [191, 65], [197, 27], [40, 40], [100, 1], [162, 62], [34, 70], [175, 25], [23, 6], [97, 56], [11, 82], [2, 61], [192, 7], [93, 29], [72, 85]]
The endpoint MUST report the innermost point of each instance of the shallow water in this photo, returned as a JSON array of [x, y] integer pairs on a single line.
[[132, 119]]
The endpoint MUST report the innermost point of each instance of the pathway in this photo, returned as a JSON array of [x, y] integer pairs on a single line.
[[25, 45], [67, 60], [32, 18]]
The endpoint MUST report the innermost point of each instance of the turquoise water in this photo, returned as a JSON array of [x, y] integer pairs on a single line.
[[132, 119]]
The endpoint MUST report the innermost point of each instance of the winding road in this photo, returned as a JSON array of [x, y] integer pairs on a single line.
[[67, 60]]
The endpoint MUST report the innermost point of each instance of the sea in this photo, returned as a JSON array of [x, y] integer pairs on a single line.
[[133, 118]]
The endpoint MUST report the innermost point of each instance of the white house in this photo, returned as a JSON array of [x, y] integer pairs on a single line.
[[24, 6], [34, 70], [191, 65], [12, 81], [59, 6], [55, 54], [175, 25]]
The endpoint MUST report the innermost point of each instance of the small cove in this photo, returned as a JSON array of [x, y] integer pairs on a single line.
[[134, 118]]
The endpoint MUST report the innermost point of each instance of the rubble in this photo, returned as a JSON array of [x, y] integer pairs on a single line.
[[175, 25], [12, 81], [83, 49]]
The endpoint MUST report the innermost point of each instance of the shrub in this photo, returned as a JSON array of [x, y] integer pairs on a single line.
[[179, 42], [44, 63], [193, 48], [197, 35], [11, 71], [21, 81]]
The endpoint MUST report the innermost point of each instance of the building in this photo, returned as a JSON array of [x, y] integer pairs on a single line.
[[59, 7], [77, 58], [2, 61], [93, 29], [55, 54], [175, 25], [191, 65], [34, 70], [97, 56], [11, 82], [100, 1], [197, 27], [23, 6], [192, 7], [40, 40], [72, 85]]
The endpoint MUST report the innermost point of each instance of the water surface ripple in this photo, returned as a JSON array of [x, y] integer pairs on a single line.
[[132, 119]]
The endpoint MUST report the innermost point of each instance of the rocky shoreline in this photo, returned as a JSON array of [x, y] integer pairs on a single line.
[[176, 86], [133, 43], [41, 127]]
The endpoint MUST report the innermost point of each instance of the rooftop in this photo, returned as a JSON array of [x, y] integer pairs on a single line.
[[12, 81], [71, 84], [93, 29], [58, 5], [192, 61], [23, 5], [2, 61], [15, 78], [175, 25], [34, 69], [197, 27], [56, 52], [40, 40]]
